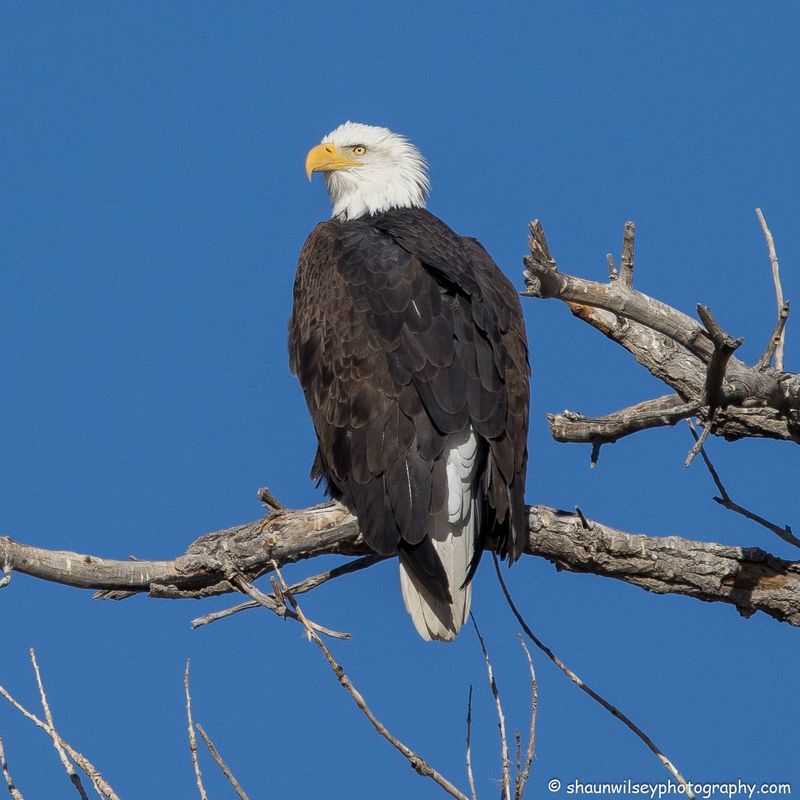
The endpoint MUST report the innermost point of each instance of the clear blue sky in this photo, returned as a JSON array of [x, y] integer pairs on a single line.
[[152, 207]]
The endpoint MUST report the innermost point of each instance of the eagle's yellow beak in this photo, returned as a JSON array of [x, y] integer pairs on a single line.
[[326, 157]]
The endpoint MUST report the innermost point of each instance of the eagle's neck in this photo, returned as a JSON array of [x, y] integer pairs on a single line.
[[374, 190]]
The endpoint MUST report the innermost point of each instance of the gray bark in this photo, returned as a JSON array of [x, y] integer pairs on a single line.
[[748, 578]]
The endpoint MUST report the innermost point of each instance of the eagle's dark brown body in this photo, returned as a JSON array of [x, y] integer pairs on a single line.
[[402, 334]]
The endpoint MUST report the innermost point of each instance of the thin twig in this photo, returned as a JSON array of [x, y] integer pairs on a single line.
[[725, 501], [48, 715], [418, 764], [15, 793], [306, 585], [506, 785], [240, 793], [669, 766], [192, 739], [522, 779], [470, 776], [697, 447], [98, 781], [6, 579], [277, 606], [776, 279]]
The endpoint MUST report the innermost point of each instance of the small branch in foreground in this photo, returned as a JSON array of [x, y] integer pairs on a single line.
[[470, 776], [697, 447], [783, 308], [306, 585], [75, 779], [505, 791], [240, 793], [100, 784], [522, 777], [198, 775], [275, 603], [725, 501], [418, 764], [15, 793], [613, 710]]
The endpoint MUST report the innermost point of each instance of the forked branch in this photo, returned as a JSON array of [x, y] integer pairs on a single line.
[[695, 361]]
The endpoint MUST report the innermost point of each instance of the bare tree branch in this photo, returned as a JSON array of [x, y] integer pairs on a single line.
[[15, 793], [749, 578], [775, 339], [269, 500], [277, 604], [783, 308], [725, 501], [613, 710], [505, 791], [626, 264], [75, 779], [570, 426], [522, 777], [470, 776], [100, 784], [760, 401], [240, 793], [198, 775], [300, 587]]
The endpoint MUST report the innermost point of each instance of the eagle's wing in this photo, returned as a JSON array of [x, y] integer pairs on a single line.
[[398, 346], [496, 314]]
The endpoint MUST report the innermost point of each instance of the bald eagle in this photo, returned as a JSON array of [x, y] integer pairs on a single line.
[[410, 348]]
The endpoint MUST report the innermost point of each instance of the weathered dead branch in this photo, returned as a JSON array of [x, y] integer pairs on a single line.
[[776, 342], [696, 362], [100, 784], [15, 793], [198, 773], [220, 762], [749, 578]]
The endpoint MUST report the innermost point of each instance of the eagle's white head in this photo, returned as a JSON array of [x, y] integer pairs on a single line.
[[369, 170]]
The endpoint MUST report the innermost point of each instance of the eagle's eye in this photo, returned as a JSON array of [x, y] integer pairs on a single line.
[[359, 150]]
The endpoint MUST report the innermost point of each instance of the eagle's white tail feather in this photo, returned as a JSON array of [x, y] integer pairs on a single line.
[[453, 535]]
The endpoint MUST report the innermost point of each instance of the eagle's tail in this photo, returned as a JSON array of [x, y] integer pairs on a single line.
[[453, 534]]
